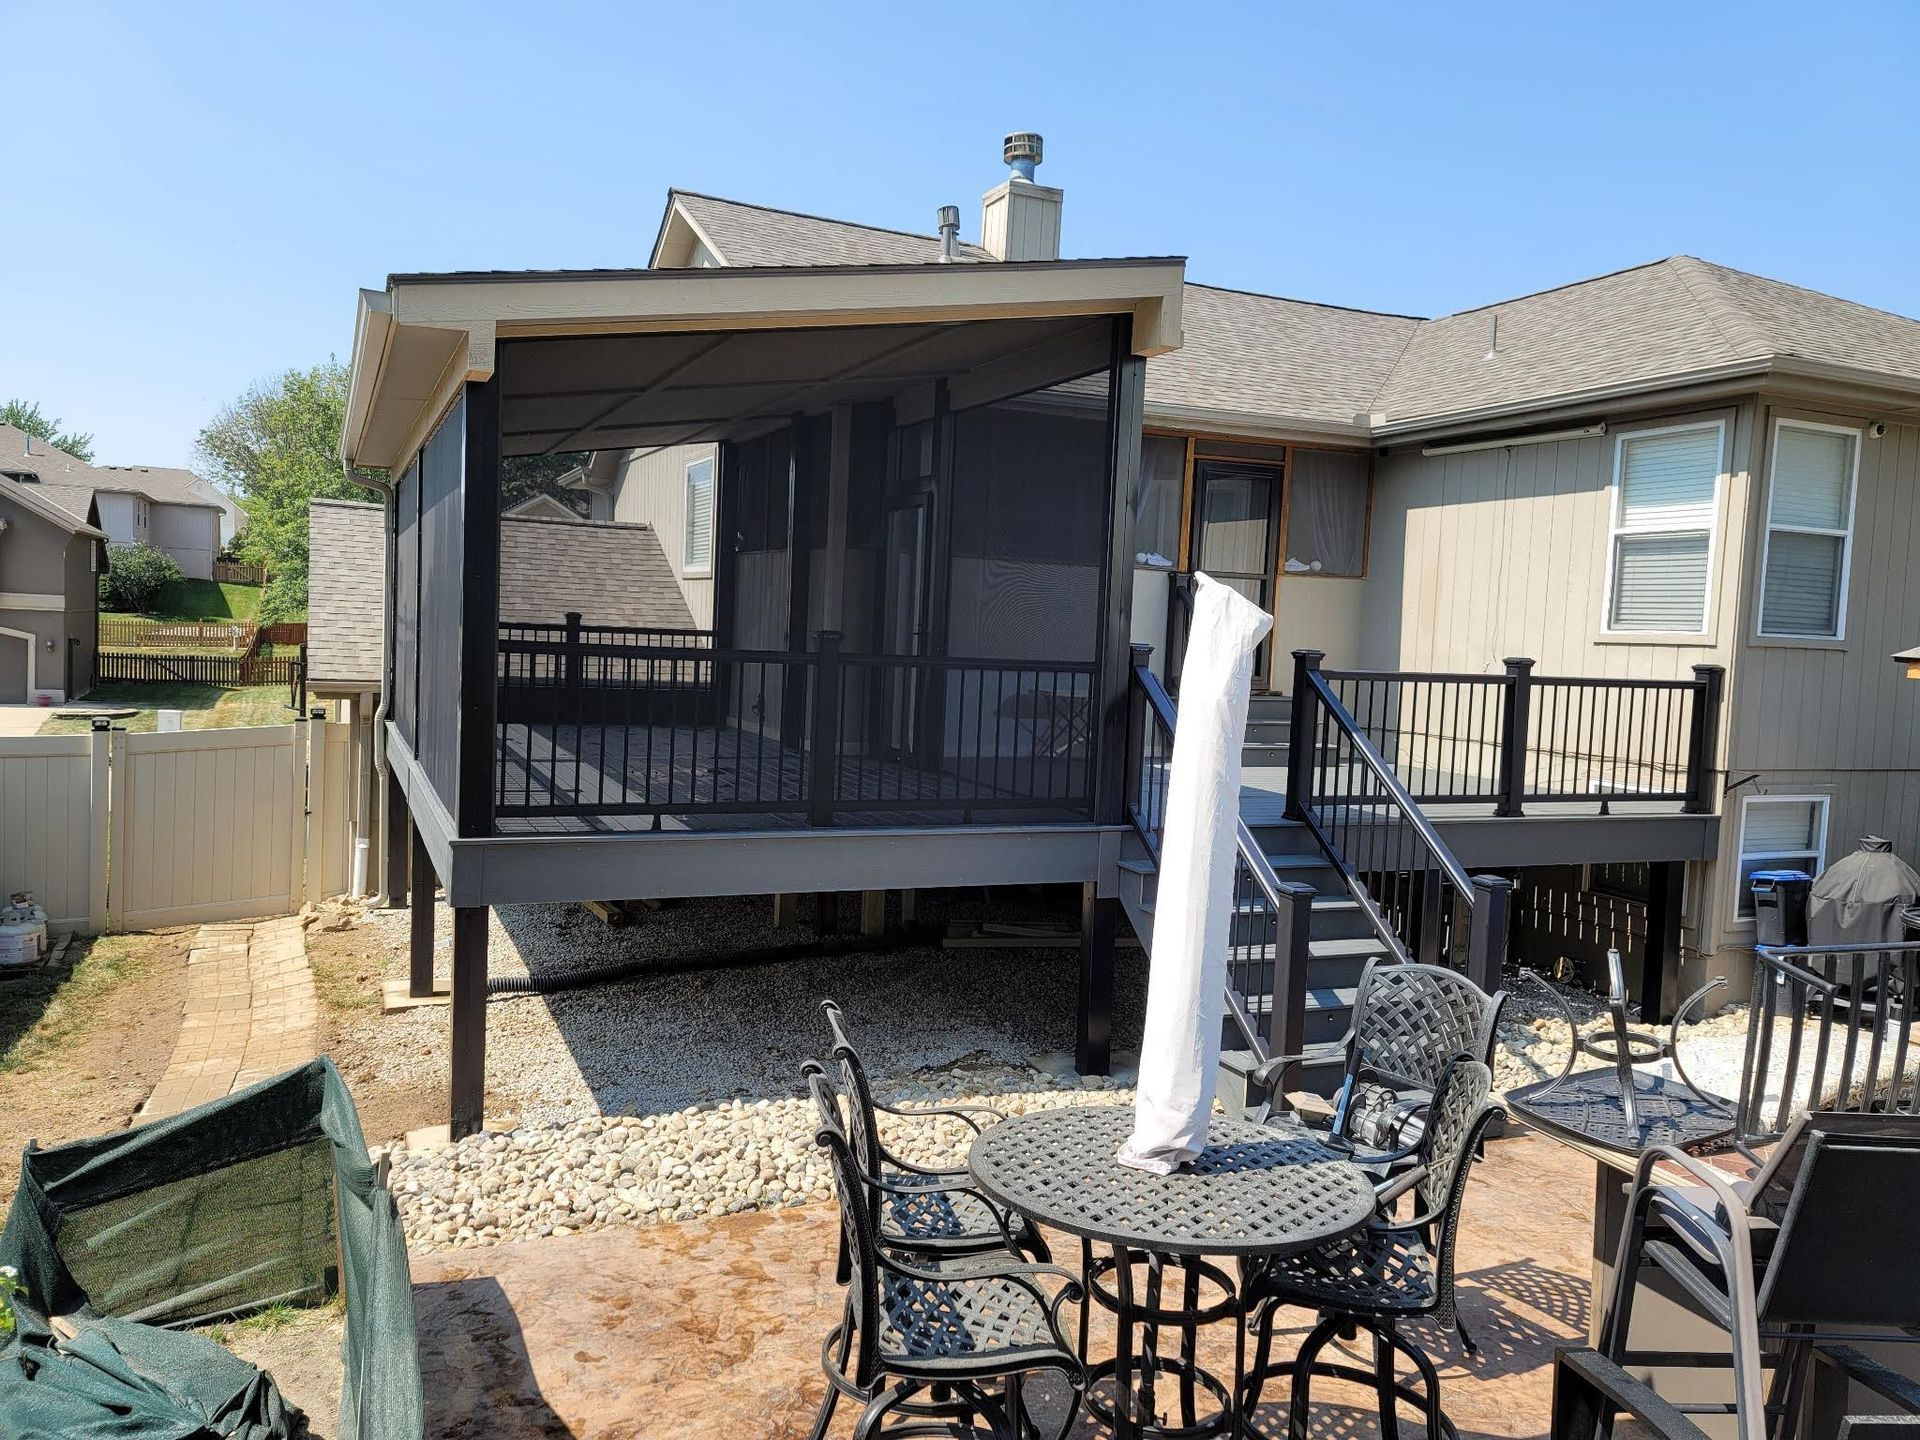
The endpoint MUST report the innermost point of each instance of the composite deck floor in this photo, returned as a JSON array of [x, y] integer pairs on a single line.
[[570, 779]]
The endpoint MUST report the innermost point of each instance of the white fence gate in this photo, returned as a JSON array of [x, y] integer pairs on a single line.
[[119, 831]]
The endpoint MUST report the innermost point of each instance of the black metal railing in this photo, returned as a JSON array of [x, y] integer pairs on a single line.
[[1829, 1029], [1179, 622], [594, 723], [1516, 737], [1416, 896], [1269, 950]]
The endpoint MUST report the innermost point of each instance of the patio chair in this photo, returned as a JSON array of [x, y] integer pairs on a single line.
[[935, 1343], [1409, 1023], [1817, 1239], [1392, 1271], [920, 1210]]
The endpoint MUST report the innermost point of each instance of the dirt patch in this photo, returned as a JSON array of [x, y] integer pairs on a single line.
[[300, 1349], [82, 1045], [347, 965]]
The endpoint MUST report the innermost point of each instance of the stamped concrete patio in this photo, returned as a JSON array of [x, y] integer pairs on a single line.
[[711, 1330]]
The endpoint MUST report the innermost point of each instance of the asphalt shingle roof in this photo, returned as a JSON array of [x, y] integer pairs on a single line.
[[760, 235], [613, 574], [157, 482]]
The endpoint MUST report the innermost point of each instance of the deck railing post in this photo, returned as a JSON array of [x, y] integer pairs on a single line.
[[1293, 934], [1300, 728], [1141, 656], [1703, 737], [1516, 713], [823, 739], [1179, 622], [1487, 932], [572, 665]]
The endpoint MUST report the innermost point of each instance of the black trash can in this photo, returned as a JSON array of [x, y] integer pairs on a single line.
[[1780, 906]]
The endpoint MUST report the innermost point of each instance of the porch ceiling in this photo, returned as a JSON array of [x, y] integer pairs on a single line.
[[607, 392], [723, 344]]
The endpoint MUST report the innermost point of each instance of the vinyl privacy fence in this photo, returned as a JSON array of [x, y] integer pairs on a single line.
[[119, 831]]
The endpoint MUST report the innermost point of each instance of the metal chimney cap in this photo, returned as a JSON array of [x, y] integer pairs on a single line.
[[1023, 150], [949, 217]]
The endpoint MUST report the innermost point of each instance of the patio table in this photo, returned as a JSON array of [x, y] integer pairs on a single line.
[[1254, 1193]]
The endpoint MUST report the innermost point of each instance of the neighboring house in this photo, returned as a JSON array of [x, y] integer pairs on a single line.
[[924, 494], [50, 561], [541, 507], [172, 510]]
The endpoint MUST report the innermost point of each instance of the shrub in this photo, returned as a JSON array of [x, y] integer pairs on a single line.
[[135, 576]]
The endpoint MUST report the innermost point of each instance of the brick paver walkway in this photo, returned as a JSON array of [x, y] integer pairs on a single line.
[[250, 1013]]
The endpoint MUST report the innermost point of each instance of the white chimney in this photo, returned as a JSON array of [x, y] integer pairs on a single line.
[[1019, 218]]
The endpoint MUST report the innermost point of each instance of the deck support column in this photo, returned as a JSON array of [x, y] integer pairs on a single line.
[[1658, 994], [786, 911], [395, 850], [1093, 1028], [873, 912], [468, 1098], [420, 932]]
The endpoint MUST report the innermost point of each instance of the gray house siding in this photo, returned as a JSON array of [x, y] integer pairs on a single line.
[[651, 489], [47, 590]]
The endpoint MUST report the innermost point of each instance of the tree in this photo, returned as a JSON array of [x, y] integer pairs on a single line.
[[27, 415], [277, 448], [136, 574], [524, 476]]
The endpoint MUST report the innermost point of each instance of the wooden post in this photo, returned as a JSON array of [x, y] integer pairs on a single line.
[[467, 1100], [1703, 738], [420, 932], [1300, 728], [1516, 715], [873, 912], [397, 848], [823, 743], [1487, 935], [786, 911], [826, 912], [1093, 1033], [1659, 989]]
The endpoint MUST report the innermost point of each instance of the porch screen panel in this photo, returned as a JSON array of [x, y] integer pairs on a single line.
[[1326, 513], [1156, 504], [406, 604], [759, 555], [442, 531]]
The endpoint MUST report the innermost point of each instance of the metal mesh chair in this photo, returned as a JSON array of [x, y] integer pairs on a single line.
[[1409, 1023], [1393, 1270], [921, 1210], [1810, 1253], [936, 1344]]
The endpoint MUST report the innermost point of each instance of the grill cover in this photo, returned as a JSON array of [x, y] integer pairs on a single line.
[[1858, 899]]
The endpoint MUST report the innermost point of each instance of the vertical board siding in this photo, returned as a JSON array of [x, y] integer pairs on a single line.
[[406, 605], [45, 822], [652, 490], [442, 521], [206, 823], [335, 855]]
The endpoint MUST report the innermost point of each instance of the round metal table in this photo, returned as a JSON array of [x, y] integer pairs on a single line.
[[1253, 1192]]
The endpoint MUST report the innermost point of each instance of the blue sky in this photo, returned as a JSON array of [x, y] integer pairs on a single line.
[[198, 189]]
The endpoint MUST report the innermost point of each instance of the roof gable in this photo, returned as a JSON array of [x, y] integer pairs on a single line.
[[739, 234]]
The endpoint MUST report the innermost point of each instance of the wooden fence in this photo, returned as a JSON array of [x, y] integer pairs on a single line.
[[232, 572], [196, 668], [131, 632]]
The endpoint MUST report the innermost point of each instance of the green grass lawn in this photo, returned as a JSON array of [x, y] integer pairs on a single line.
[[202, 707], [205, 600]]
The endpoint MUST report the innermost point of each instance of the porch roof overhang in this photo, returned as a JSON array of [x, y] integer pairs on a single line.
[[416, 341]]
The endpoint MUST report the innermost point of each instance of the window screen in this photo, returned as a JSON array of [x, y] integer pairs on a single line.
[[1809, 531], [1156, 504], [1779, 834], [698, 555], [1327, 514], [1663, 529]]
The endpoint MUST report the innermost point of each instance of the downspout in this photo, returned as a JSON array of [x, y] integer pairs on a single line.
[[377, 772]]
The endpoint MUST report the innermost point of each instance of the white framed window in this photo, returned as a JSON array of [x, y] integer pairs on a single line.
[[697, 551], [1813, 481], [1666, 504], [1778, 832]]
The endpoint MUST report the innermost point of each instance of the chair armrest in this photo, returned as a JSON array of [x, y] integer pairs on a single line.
[[1589, 1389], [1865, 1370], [921, 1192], [1273, 1069]]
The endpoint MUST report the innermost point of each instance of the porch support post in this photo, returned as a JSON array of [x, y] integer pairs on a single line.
[[468, 1096], [395, 851], [1126, 411], [873, 912], [1487, 932], [1093, 1025], [1659, 989], [479, 609], [420, 931]]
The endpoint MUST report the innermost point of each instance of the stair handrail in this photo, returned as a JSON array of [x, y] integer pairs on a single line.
[[1484, 896], [1288, 901]]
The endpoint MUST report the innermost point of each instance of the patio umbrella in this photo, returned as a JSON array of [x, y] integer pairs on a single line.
[[1193, 916]]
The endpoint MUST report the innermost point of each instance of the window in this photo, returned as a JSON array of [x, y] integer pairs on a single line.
[[1803, 588], [1778, 832], [1326, 513], [1156, 505], [697, 557], [1666, 488]]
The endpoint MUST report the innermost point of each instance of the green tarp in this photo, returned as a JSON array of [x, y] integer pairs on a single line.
[[266, 1197]]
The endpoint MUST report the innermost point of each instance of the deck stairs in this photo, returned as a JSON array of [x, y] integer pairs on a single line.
[[1341, 942]]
